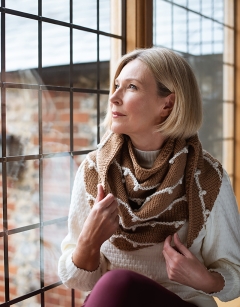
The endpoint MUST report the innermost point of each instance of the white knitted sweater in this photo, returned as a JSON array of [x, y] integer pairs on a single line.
[[217, 246]]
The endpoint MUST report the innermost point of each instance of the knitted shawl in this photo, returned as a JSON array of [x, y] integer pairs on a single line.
[[181, 186]]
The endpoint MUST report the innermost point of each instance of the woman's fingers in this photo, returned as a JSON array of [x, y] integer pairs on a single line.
[[181, 247], [105, 202], [105, 209], [167, 242], [113, 207], [183, 267], [100, 193], [170, 250]]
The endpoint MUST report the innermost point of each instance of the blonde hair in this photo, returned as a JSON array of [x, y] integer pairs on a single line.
[[173, 75]]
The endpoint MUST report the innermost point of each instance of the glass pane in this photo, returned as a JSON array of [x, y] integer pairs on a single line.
[[207, 8], [194, 38], [21, 32], [105, 48], [84, 59], [77, 162], [2, 289], [27, 6], [80, 297], [104, 75], [56, 187], [56, 75], [23, 193], [207, 36], [163, 24], [103, 111], [52, 238], [104, 56], [212, 129], [34, 301], [56, 9], [211, 82], [24, 76], [85, 121], [61, 297], [195, 5], [218, 38], [180, 2], [56, 45], [56, 121], [85, 13], [24, 262], [104, 15], [22, 120], [179, 29], [218, 10]]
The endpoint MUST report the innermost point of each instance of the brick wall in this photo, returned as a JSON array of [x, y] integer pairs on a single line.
[[23, 203]]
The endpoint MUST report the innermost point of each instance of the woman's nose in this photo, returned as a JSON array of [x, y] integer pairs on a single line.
[[116, 98]]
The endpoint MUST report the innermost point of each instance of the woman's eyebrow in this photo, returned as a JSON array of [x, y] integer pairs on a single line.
[[130, 79]]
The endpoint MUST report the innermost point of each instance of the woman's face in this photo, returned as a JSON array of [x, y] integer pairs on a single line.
[[136, 106]]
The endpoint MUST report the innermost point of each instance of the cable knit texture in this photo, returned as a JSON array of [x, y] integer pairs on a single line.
[[182, 185]]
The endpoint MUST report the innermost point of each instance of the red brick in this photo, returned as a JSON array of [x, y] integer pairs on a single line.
[[65, 117], [80, 117], [62, 105], [2, 288], [81, 142], [2, 298]]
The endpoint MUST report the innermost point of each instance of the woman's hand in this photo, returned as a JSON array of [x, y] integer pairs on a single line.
[[100, 225], [184, 268], [102, 221]]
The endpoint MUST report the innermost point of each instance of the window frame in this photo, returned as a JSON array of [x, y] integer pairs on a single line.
[[41, 156], [237, 102]]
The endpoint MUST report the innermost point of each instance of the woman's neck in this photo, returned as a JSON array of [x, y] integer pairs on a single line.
[[150, 143]]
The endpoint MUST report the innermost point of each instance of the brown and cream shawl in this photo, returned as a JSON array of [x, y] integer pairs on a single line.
[[181, 186]]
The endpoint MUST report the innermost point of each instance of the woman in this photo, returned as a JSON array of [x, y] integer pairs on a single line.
[[153, 219]]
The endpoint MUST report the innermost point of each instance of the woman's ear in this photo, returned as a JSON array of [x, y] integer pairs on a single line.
[[168, 105]]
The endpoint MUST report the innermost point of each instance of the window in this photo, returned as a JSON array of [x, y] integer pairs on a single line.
[[55, 67], [203, 32]]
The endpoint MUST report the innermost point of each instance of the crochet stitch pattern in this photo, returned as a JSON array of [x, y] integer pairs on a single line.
[[181, 186]]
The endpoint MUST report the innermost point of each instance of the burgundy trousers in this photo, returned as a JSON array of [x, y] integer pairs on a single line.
[[124, 288]]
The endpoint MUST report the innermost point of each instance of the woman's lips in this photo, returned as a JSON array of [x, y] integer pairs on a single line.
[[117, 114]]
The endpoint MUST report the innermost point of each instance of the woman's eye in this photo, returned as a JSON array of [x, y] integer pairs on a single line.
[[132, 86], [116, 86]]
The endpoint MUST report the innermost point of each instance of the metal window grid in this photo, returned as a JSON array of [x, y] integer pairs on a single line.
[[41, 156], [202, 16]]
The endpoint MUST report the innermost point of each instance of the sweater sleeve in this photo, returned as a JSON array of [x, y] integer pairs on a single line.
[[221, 247], [70, 275]]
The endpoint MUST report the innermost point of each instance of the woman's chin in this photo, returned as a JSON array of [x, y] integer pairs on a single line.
[[117, 129]]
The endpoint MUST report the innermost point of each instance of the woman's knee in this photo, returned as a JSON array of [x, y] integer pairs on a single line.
[[121, 279]]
